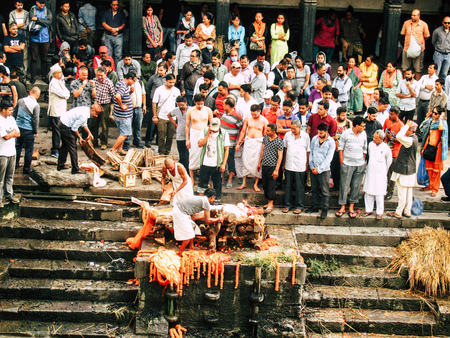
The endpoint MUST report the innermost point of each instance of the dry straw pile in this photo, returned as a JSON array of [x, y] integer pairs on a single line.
[[427, 254]]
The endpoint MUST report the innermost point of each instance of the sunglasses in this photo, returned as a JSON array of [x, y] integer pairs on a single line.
[[436, 113], [446, 23]]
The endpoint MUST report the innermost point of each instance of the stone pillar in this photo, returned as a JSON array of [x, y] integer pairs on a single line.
[[391, 29], [307, 19], [222, 16], [135, 29], [51, 5]]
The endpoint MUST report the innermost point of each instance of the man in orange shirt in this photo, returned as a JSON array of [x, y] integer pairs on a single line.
[[418, 30], [272, 113], [391, 127]]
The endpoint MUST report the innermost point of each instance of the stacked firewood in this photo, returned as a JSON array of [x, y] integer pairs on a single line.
[[249, 228], [153, 166]]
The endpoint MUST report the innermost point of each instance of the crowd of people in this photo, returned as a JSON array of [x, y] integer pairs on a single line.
[[234, 115]]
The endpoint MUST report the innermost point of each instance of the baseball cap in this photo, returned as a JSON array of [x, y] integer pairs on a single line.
[[236, 65], [215, 124], [268, 94], [103, 49]]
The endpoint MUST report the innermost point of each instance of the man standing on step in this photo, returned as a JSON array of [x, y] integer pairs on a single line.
[[322, 152], [352, 156], [9, 131], [113, 22], [404, 171]]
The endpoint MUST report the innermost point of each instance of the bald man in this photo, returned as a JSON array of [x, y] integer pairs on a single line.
[[418, 30], [441, 43]]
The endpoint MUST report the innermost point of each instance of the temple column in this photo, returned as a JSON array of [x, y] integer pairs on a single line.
[[308, 19], [391, 28], [135, 29], [222, 15]]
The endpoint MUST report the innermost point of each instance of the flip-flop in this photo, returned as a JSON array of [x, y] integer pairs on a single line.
[[268, 210], [340, 213], [229, 185], [379, 217], [297, 211], [393, 214], [285, 210], [352, 214], [407, 215], [367, 214]]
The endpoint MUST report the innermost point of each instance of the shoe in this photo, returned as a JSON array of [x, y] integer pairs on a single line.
[[229, 185], [74, 172], [311, 210], [445, 199], [55, 155], [13, 199], [148, 144], [139, 146], [45, 80], [125, 149], [26, 172], [32, 80], [104, 147], [388, 196], [324, 214], [219, 200]]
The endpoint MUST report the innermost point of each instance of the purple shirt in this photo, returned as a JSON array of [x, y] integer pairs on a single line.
[[315, 94]]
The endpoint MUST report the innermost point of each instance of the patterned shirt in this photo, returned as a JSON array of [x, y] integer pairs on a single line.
[[124, 91], [85, 98], [271, 148], [104, 90], [232, 124]]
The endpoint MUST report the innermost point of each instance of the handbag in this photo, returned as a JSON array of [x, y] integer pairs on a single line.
[[229, 45], [414, 49], [254, 45], [422, 174], [430, 151]]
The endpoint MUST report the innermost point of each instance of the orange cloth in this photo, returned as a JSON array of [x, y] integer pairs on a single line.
[[435, 168], [148, 216], [395, 128], [418, 29]]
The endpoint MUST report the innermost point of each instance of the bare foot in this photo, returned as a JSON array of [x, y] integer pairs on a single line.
[[256, 188], [243, 186]]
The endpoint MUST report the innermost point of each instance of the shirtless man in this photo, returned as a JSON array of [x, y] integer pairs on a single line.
[[197, 119], [255, 128]]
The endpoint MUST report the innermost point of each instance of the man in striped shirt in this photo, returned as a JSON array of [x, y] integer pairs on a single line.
[[123, 111], [231, 121]]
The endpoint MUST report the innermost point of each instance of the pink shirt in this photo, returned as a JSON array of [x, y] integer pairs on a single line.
[[325, 36]]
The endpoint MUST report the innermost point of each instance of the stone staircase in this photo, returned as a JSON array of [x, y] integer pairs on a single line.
[[61, 272], [64, 271]]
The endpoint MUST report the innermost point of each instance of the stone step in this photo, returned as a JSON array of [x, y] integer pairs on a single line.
[[68, 289], [359, 276], [365, 298], [69, 229], [54, 310], [410, 323], [368, 256], [62, 329], [351, 235], [64, 250], [433, 219], [45, 268]]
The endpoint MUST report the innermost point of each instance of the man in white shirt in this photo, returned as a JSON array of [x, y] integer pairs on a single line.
[[184, 51], [284, 86], [426, 87], [9, 131], [326, 97], [245, 100], [234, 79], [261, 57], [407, 91], [295, 165], [344, 84], [164, 101], [246, 69]]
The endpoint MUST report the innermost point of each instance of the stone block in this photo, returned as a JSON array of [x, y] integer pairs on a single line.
[[66, 190], [141, 267], [49, 176], [111, 215]]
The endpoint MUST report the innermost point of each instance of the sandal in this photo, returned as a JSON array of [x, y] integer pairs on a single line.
[[367, 214], [424, 189], [393, 214], [229, 185], [379, 217], [407, 215], [268, 210], [340, 213], [352, 214], [297, 211], [285, 210]]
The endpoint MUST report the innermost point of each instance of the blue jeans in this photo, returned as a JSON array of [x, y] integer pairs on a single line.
[[442, 60], [114, 44], [170, 32], [445, 179], [26, 140], [189, 96], [138, 116]]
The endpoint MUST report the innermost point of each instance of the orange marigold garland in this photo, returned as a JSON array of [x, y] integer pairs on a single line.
[[236, 284], [277, 276], [294, 262]]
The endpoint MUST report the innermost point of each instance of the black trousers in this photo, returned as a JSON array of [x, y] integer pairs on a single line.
[[216, 177], [320, 190], [183, 152], [56, 134], [299, 179], [26, 140], [68, 146], [269, 184], [335, 171], [41, 50], [406, 115]]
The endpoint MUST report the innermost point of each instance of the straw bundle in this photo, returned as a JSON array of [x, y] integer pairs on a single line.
[[427, 254]]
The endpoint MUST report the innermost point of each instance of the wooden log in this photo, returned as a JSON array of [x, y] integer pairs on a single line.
[[163, 219], [148, 155], [90, 152], [243, 220], [167, 194], [147, 177], [215, 229]]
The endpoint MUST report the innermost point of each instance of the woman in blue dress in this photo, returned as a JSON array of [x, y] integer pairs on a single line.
[[236, 33]]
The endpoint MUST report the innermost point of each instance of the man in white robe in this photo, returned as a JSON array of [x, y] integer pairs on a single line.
[[375, 183]]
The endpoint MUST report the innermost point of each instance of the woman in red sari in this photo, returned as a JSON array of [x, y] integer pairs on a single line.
[[435, 132]]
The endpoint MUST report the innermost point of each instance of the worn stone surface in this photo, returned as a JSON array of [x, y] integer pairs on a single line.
[[49, 176]]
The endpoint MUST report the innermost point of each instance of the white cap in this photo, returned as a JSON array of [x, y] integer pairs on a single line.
[[268, 94], [55, 68]]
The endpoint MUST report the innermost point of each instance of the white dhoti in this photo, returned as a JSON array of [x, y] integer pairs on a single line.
[[251, 155], [184, 227], [405, 184], [239, 162], [187, 191], [195, 151]]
